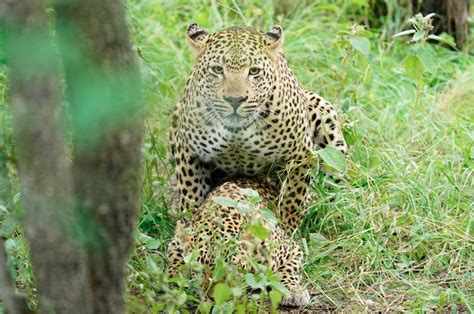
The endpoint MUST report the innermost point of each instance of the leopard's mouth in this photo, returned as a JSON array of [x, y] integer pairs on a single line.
[[234, 117], [236, 121]]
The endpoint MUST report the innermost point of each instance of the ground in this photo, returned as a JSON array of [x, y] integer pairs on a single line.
[[398, 234]]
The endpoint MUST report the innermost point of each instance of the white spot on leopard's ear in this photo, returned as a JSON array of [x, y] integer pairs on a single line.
[[274, 38], [197, 38]]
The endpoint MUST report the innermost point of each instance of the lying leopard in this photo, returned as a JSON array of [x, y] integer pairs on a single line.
[[215, 223], [244, 114]]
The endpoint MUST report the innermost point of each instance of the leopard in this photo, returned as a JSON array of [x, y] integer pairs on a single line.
[[217, 224], [244, 114]]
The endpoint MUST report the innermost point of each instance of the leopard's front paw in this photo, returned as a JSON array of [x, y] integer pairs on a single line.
[[298, 299]]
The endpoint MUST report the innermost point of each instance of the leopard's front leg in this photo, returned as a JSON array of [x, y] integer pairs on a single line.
[[294, 192], [194, 178]]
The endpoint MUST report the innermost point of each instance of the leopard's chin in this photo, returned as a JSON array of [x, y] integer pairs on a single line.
[[236, 122]]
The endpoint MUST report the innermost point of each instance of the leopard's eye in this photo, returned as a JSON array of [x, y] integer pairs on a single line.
[[217, 69], [254, 71]]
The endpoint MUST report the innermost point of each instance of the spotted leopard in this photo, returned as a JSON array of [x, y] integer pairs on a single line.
[[216, 224], [244, 114]]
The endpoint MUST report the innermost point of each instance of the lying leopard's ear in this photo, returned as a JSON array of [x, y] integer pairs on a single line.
[[182, 233], [274, 38], [197, 37]]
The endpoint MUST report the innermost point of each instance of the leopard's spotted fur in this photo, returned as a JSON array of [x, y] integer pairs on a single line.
[[244, 114], [220, 226]]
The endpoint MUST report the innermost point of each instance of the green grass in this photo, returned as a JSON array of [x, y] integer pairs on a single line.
[[399, 233]]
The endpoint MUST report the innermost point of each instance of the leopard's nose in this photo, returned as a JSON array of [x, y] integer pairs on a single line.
[[235, 102]]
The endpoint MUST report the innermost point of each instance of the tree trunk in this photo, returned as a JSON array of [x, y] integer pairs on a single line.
[[103, 85], [58, 261], [452, 17], [95, 208]]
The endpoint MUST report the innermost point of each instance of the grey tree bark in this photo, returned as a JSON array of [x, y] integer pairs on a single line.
[[103, 86], [80, 218], [34, 88]]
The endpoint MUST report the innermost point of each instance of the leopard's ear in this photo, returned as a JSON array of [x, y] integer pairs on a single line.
[[184, 236], [274, 38], [197, 37]]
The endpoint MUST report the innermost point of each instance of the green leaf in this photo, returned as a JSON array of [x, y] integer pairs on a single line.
[[219, 270], [250, 279], [240, 308], [188, 258], [429, 16], [225, 201], [153, 244], [269, 215], [407, 32], [446, 39], [333, 158], [428, 58], [237, 292], [151, 265], [252, 194], [351, 135], [259, 231], [222, 293], [204, 307], [182, 298], [148, 242], [275, 297], [227, 307], [413, 67], [244, 207], [253, 282], [419, 35], [249, 192], [158, 307], [279, 287], [361, 44]]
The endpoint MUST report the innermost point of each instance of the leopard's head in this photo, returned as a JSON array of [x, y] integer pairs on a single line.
[[236, 73]]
